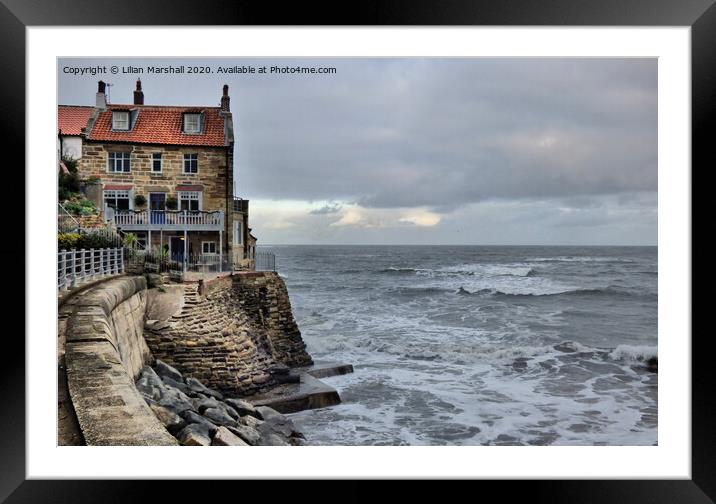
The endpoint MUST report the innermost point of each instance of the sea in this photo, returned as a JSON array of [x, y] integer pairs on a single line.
[[479, 345]]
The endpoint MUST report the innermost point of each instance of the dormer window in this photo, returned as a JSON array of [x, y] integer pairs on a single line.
[[120, 120], [192, 123]]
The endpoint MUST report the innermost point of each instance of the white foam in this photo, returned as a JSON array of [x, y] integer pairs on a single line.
[[634, 352]]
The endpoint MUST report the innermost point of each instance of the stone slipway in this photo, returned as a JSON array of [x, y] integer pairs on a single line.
[[308, 393]]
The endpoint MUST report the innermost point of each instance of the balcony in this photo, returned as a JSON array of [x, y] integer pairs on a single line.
[[241, 205], [166, 220]]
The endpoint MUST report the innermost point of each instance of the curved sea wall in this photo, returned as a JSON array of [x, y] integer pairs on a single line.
[[230, 333], [104, 352]]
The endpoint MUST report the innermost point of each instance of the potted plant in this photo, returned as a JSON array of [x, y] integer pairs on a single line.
[[171, 203], [140, 200]]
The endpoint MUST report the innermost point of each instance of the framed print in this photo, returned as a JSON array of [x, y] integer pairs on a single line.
[[439, 243]]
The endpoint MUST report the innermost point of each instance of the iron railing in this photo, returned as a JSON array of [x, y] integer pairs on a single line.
[[265, 261], [75, 267]]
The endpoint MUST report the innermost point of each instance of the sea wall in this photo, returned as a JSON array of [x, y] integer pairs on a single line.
[[231, 332], [104, 352]]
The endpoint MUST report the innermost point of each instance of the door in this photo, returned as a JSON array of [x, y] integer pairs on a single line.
[[157, 205], [176, 248]]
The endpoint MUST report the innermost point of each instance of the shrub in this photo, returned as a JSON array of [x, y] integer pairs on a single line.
[[68, 183], [172, 203], [67, 241], [140, 200]]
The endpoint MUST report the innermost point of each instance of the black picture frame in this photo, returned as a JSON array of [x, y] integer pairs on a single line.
[[700, 15]]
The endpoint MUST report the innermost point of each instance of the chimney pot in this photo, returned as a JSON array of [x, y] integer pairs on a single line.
[[225, 105], [101, 98], [139, 94]]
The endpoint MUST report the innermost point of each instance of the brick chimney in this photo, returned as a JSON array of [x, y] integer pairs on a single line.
[[139, 94], [225, 99], [101, 98]]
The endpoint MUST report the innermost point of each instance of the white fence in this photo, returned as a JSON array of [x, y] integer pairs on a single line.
[[77, 266]]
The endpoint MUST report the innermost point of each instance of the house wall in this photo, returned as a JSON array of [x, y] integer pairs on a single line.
[[212, 173], [71, 147]]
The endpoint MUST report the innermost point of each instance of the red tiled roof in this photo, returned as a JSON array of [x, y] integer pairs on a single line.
[[161, 125], [72, 118]]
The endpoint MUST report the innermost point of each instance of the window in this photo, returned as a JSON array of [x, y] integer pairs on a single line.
[[118, 162], [120, 120], [117, 199], [208, 247], [192, 123], [190, 200], [191, 163], [238, 232], [157, 162]]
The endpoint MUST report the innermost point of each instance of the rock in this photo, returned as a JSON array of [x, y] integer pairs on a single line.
[[219, 417], [175, 400], [170, 382], [243, 407], [652, 364], [173, 422], [164, 369], [149, 384], [194, 435], [199, 387], [251, 421], [224, 437], [192, 417], [268, 413], [248, 434], [204, 404], [272, 439]]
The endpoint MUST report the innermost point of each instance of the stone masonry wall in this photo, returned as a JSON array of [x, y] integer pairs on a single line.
[[231, 332], [212, 173], [104, 351]]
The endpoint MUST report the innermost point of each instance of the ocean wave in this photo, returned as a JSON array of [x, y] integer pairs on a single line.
[[549, 290], [580, 259], [475, 269], [637, 353]]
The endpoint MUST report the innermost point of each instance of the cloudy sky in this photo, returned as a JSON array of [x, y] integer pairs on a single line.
[[429, 151]]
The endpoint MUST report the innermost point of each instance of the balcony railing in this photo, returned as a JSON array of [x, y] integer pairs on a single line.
[[168, 220], [241, 205]]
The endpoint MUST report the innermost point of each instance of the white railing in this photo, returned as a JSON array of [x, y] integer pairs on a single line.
[[168, 219], [78, 266]]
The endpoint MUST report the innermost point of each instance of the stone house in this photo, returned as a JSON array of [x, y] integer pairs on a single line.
[[165, 173]]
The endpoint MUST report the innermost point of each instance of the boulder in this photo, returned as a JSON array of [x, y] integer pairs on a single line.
[[272, 439], [204, 404], [170, 382], [250, 421], [248, 434], [194, 435], [199, 387], [224, 437], [164, 369], [149, 384], [173, 422], [192, 417], [175, 400], [219, 417], [243, 407], [268, 413]]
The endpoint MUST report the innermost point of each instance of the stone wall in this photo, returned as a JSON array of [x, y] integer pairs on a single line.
[[230, 332], [104, 351], [212, 173]]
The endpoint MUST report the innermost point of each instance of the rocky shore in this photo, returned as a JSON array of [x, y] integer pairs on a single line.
[[197, 415]]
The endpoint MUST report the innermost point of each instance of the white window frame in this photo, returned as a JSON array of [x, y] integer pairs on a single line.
[[216, 248], [116, 114], [190, 196], [112, 163], [161, 162], [193, 117], [184, 163], [238, 232], [115, 193]]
